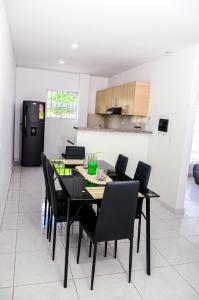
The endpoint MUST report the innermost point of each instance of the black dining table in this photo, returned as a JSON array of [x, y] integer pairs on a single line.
[[76, 184]]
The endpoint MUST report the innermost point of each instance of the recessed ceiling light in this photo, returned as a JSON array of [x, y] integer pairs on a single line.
[[75, 46], [167, 52], [61, 62]]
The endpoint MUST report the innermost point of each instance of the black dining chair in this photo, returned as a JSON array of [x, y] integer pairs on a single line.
[[64, 211], [43, 161], [142, 174], [74, 152], [60, 196], [121, 164], [115, 220], [120, 169]]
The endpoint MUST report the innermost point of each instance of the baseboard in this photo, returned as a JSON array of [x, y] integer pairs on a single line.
[[172, 209]]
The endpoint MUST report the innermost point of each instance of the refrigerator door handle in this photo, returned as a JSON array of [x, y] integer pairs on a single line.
[[25, 122]]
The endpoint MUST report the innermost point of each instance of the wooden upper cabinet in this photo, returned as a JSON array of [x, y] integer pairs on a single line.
[[133, 97], [141, 99], [117, 96], [103, 100]]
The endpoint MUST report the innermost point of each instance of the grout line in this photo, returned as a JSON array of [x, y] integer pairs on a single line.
[[126, 272], [16, 240], [39, 283], [186, 280], [185, 263]]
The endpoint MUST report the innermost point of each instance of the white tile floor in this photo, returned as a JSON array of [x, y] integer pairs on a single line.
[[27, 271]]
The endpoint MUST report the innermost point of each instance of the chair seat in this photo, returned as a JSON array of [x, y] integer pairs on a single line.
[[77, 210]]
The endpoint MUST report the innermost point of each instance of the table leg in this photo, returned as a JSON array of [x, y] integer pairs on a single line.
[[66, 254], [148, 238]]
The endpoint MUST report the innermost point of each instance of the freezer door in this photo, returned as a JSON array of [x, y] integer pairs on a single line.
[[33, 111], [32, 144]]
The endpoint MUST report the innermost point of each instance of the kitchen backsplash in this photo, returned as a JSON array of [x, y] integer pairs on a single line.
[[118, 121]]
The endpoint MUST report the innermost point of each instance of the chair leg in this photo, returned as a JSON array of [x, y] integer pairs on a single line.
[[54, 239], [105, 249], [139, 232], [130, 258], [45, 210], [66, 255], [79, 242], [93, 265], [50, 226], [90, 249], [48, 221], [98, 209], [115, 250]]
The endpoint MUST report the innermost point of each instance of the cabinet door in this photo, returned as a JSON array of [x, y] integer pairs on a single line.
[[103, 100], [141, 100], [117, 96], [128, 94]]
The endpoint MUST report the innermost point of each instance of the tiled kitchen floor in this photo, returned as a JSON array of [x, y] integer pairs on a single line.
[[28, 273]]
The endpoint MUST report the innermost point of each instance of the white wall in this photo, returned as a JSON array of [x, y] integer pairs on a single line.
[[32, 84], [7, 98], [173, 96]]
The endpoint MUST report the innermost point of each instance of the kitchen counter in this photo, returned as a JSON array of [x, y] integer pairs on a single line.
[[134, 130], [109, 143]]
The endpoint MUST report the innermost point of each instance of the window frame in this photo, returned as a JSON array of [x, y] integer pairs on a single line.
[[61, 117]]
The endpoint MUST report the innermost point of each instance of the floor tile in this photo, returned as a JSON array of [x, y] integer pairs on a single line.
[[104, 265], [163, 284], [30, 221], [192, 210], [7, 241], [7, 270], [33, 205], [139, 259], [177, 250], [109, 287], [6, 294], [190, 272], [49, 291], [35, 240], [12, 207], [31, 194], [38, 267], [13, 195], [9, 221], [14, 187], [160, 229], [194, 239], [31, 184], [165, 214], [185, 226]]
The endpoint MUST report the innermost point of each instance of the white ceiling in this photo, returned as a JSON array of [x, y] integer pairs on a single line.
[[113, 35]]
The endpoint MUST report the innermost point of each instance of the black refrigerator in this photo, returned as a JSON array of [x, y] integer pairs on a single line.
[[33, 123]]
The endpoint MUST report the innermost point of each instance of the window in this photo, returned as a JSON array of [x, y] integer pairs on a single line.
[[62, 105], [195, 144]]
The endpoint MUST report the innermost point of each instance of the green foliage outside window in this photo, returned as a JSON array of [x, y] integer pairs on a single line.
[[62, 104]]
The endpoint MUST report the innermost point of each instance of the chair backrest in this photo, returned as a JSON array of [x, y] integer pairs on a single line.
[[43, 161], [75, 152], [142, 174], [121, 164], [118, 210], [51, 187]]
